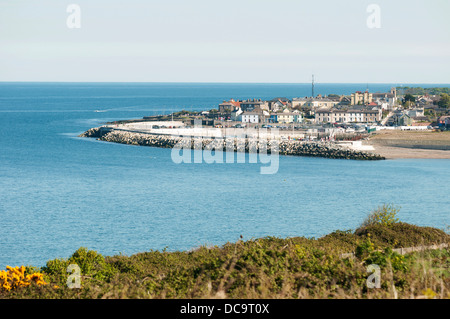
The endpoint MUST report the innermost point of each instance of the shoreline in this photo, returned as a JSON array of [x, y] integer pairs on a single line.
[[408, 152], [411, 145]]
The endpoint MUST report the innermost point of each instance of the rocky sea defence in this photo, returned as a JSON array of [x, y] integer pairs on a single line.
[[236, 144]]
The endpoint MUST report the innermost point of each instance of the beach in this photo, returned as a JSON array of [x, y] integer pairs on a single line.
[[410, 144], [390, 152]]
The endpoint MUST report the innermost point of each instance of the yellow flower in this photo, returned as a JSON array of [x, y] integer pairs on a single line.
[[14, 277], [7, 286], [429, 293]]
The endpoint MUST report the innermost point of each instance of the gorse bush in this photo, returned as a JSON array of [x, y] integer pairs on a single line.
[[92, 265], [385, 215], [15, 277]]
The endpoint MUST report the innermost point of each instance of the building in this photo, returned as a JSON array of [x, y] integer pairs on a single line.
[[404, 120], [314, 103], [424, 100], [400, 119], [361, 98], [255, 116], [321, 103], [273, 118], [345, 100], [387, 100], [347, 116], [285, 117], [289, 116], [299, 102], [236, 114], [250, 105], [415, 112], [228, 106], [444, 122], [298, 117], [251, 117], [279, 103]]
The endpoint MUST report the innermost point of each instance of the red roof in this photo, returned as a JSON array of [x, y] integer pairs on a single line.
[[235, 103]]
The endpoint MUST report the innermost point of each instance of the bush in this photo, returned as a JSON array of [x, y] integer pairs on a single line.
[[15, 277], [269, 267], [385, 215], [403, 235], [92, 266]]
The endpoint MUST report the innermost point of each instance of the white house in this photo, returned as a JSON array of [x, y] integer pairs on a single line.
[[251, 117]]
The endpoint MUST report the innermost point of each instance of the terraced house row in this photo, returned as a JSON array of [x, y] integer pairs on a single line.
[[348, 116]]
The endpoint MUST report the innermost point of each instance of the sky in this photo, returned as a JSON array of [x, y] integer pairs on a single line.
[[276, 41]]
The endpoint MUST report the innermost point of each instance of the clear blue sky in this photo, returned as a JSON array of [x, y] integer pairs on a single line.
[[225, 41]]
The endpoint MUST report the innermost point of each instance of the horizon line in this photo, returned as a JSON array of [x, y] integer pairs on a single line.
[[212, 82]]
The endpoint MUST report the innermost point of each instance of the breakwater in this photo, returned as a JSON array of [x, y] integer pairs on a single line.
[[236, 144]]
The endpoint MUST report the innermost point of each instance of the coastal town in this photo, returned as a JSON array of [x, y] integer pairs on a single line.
[[363, 125], [360, 111]]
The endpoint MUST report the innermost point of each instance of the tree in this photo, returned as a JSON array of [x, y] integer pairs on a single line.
[[444, 101], [409, 97]]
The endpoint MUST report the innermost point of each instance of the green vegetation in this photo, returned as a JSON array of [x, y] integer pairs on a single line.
[[444, 101], [385, 215], [266, 268], [422, 91], [409, 98]]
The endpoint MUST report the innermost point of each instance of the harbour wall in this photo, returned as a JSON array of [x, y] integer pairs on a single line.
[[236, 144]]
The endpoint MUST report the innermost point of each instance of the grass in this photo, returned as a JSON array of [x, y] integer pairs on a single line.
[[262, 268]]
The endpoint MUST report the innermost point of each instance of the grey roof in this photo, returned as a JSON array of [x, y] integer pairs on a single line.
[[252, 113]]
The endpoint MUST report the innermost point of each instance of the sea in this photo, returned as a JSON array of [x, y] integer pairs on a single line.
[[60, 192]]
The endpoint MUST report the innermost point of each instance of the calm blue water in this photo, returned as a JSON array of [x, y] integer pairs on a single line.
[[59, 192]]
